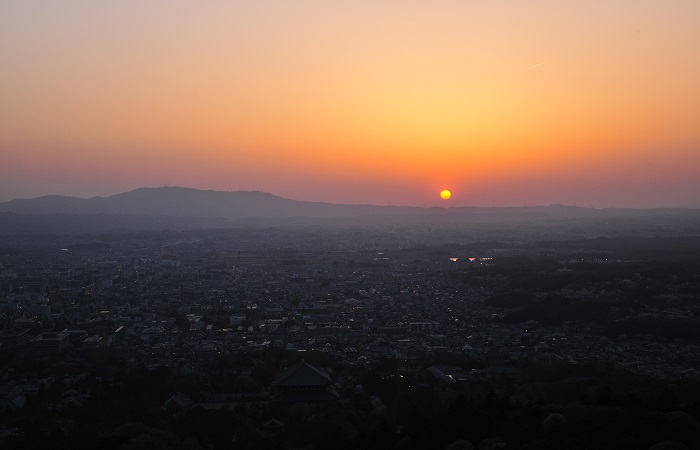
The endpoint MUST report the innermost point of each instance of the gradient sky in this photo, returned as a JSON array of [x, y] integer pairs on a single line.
[[593, 103]]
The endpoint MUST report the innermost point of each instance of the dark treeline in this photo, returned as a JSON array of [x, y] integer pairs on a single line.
[[549, 406]]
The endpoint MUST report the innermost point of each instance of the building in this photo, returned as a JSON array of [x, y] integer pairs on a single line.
[[49, 343], [303, 383], [14, 339]]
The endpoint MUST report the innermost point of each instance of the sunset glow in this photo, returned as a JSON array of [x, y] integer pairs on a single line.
[[515, 103]]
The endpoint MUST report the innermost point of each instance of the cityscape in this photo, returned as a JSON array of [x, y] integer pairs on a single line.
[[390, 321]]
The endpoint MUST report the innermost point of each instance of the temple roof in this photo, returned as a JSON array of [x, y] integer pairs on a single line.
[[303, 374]]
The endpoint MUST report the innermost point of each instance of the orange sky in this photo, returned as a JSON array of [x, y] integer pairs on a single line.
[[505, 103]]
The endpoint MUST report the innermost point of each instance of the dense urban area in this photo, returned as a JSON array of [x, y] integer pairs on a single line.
[[350, 337]]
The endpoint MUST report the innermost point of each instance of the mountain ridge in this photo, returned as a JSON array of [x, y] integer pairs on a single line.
[[187, 202], [236, 205]]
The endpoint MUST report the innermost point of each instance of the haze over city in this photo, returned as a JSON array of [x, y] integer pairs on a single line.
[[593, 104]]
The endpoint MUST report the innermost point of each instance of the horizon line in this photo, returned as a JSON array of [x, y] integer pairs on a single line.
[[446, 207]]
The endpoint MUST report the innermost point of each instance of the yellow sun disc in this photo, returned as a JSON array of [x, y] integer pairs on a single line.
[[445, 194]]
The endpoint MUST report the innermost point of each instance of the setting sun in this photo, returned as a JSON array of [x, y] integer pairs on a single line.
[[445, 194], [592, 103]]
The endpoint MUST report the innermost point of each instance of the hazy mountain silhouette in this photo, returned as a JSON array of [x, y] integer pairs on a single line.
[[186, 202], [179, 202]]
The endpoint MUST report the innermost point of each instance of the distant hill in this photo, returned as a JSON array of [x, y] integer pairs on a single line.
[[186, 202], [157, 206]]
